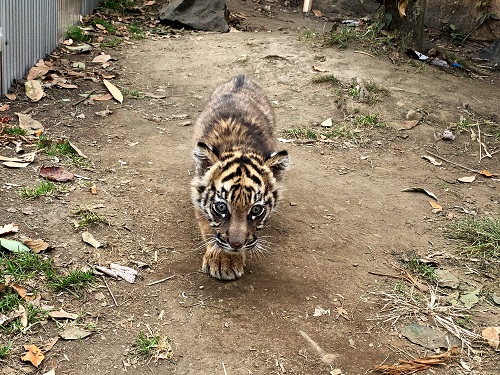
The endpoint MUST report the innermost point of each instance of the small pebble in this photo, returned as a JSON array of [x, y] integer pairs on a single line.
[[293, 203]]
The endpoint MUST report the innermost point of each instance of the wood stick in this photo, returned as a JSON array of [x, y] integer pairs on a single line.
[[364, 53], [109, 290], [453, 163], [160, 281], [107, 271]]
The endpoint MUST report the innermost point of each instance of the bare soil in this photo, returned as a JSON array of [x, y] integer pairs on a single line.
[[343, 212]]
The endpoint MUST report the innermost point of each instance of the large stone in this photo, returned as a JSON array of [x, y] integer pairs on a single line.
[[207, 15]]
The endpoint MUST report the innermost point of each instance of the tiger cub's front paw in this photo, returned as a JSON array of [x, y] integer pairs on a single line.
[[223, 265]]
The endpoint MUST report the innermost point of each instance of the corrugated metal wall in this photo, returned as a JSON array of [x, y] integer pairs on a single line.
[[30, 29]]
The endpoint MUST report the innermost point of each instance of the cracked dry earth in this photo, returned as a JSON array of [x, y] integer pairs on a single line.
[[342, 215]]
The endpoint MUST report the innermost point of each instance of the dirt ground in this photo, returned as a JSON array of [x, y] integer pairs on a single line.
[[343, 212]]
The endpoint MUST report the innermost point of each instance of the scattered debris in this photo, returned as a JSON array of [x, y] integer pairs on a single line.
[[467, 179], [420, 190], [30, 125], [446, 279], [492, 334], [61, 314], [428, 337], [432, 160], [126, 273], [87, 237], [327, 123], [8, 228], [72, 332], [319, 311], [417, 364], [55, 173], [470, 299]]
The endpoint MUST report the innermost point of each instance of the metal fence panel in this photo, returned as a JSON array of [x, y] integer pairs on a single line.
[[30, 29]]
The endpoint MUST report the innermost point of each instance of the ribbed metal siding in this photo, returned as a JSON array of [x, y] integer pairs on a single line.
[[31, 30]]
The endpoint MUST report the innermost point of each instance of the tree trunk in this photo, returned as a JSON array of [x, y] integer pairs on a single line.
[[410, 28]]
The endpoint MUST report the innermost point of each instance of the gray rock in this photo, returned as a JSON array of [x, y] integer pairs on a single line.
[[447, 279], [198, 14], [429, 337]]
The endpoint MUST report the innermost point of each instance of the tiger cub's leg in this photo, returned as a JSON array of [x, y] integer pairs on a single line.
[[217, 262]]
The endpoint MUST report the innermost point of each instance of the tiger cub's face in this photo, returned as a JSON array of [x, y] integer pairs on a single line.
[[236, 192]]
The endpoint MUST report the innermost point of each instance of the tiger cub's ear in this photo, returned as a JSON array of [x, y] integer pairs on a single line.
[[278, 163], [204, 157]]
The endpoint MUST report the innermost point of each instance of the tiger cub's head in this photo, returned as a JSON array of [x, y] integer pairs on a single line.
[[236, 191]]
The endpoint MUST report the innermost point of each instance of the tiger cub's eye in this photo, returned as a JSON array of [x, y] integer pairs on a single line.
[[220, 208], [257, 210]]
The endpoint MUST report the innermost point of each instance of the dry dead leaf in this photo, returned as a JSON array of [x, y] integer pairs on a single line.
[[402, 7], [432, 160], [38, 71], [65, 85], [126, 273], [55, 173], [492, 334], [21, 290], [74, 333], [61, 314], [34, 355], [467, 179], [34, 90], [93, 190], [102, 97], [5, 107], [28, 124], [117, 94], [11, 96], [342, 312], [318, 69], [87, 237], [15, 164], [36, 246], [23, 315], [317, 13], [77, 150], [149, 3], [48, 346], [436, 206], [407, 125], [101, 58], [486, 173], [51, 372], [8, 228]]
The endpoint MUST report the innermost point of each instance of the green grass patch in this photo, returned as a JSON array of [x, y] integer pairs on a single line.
[[74, 280], [425, 271], [111, 43], [151, 346], [340, 131], [370, 120], [77, 34], [24, 266], [326, 78], [44, 187], [4, 350], [15, 130], [108, 26], [88, 217], [130, 93], [481, 237], [9, 301], [118, 5], [342, 37], [61, 149], [135, 30], [308, 35], [301, 133]]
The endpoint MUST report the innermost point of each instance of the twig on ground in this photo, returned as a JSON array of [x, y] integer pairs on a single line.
[[109, 290], [364, 53], [160, 281], [85, 98], [224, 368], [106, 271], [453, 163]]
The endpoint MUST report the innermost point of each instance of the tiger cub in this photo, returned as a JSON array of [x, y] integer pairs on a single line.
[[235, 186]]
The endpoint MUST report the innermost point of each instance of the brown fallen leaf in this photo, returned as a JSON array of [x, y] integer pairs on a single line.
[[49, 345], [93, 189], [65, 85], [317, 12], [77, 150], [492, 334], [36, 246], [15, 164], [318, 69], [342, 312], [61, 314], [486, 173], [117, 94], [74, 333], [33, 89], [28, 124], [402, 8], [407, 125], [8, 228], [55, 173], [34, 355], [436, 206], [11, 96], [102, 97], [87, 237], [38, 71], [5, 107], [21, 290], [101, 58]]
